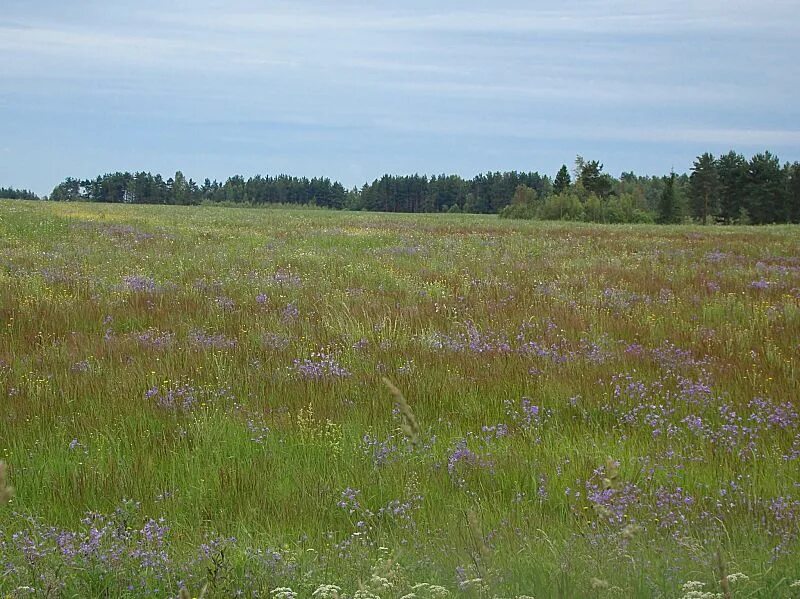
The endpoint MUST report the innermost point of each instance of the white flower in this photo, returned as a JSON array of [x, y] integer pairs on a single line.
[[381, 582], [737, 576], [283, 593], [362, 594], [473, 583], [327, 591], [433, 591]]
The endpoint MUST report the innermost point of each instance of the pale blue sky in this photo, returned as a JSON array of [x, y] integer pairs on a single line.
[[352, 90]]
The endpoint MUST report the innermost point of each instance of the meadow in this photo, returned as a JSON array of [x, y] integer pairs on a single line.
[[295, 403]]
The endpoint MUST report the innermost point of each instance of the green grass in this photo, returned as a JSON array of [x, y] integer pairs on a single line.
[[473, 318]]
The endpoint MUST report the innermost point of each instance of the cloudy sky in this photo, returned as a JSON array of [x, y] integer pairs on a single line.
[[352, 90]]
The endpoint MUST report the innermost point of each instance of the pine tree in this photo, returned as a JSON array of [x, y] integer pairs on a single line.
[[732, 175], [766, 191], [704, 188], [594, 180]]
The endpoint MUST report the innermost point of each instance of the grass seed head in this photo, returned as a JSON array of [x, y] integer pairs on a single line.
[[477, 533], [599, 584], [611, 479], [6, 490], [410, 426]]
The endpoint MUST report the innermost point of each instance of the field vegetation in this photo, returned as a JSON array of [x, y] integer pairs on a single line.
[[287, 403]]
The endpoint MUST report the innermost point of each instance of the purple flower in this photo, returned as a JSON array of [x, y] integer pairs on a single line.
[[225, 303], [274, 341], [139, 284], [360, 344], [203, 340], [154, 339], [462, 457], [349, 500], [381, 452], [82, 366], [320, 366], [286, 279], [289, 313]]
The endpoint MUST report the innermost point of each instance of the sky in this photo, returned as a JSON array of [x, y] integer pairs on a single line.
[[352, 90]]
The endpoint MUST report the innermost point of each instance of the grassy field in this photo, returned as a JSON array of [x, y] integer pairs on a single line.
[[195, 397]]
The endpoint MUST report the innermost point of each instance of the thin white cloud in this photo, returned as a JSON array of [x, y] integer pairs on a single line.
[[622, 17], [537, 129]]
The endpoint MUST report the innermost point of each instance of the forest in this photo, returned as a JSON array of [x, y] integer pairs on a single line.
[[9, 193], [726, 189]]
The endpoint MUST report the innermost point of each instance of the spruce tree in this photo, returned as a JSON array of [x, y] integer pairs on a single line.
[[562, 181], [668, 207], [793, 201]]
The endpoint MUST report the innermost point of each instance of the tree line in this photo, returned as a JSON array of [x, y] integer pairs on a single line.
[[726, 189], [9, 193], [146, 188], [732, 189]]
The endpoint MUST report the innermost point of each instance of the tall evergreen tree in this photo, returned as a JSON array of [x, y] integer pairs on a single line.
[[562, 181], [766, 190], [704, 187], [668, 206], [793, 199], [594, 180], [732, 175], [180, 189]]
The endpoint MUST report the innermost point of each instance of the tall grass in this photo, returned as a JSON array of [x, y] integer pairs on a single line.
[[272, 402]]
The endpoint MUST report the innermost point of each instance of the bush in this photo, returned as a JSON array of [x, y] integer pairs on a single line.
[[564, 206]]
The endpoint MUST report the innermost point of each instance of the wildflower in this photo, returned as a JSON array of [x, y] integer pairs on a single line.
[[289, 313], [478, 584], [693, 589], [139, 284], [320, 366], [225, 303], [430, 590], [82, 366], [201, 339], [75, 444], [327, 591]]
